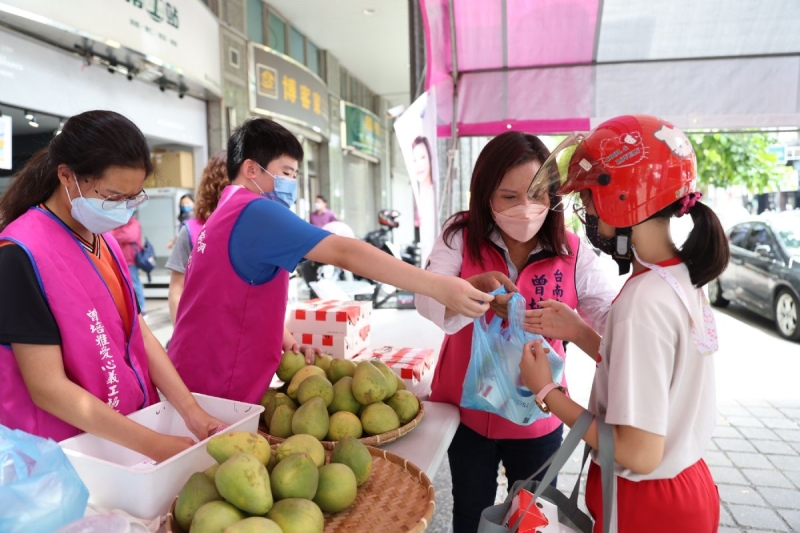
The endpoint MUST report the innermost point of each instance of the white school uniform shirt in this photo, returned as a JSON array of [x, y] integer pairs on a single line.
[[594, 289], [652, 376]]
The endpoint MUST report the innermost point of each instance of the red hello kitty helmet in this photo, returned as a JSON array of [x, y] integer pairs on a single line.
[[634, 166]]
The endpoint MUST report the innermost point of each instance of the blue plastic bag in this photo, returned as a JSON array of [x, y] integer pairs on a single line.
[[39, 489], [493, 382]]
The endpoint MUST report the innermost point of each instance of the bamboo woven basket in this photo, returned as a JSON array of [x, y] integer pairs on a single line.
[[397, 498], [374, 440]]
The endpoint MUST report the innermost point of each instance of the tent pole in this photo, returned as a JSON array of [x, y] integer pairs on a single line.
[[452, 153]]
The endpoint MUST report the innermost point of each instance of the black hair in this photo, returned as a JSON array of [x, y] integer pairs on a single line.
[[320, 197], [88, 144], [706, 251], [261, 140]]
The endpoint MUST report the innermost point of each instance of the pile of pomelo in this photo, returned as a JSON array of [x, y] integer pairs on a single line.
[[255, 489]]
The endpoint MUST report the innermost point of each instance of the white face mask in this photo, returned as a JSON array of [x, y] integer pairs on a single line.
[[98, 215], [319, 206]]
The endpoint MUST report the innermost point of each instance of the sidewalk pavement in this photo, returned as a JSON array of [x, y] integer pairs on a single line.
[[754, 455]]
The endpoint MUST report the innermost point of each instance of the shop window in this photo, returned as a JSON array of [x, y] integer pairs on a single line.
[[255, 21], [312, 57], [277, 33], [297, 45]]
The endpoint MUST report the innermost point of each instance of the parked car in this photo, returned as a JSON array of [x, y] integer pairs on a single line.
[[764, 271]]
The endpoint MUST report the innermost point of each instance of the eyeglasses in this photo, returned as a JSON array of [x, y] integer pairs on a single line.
[[580, 212], [112, 202]]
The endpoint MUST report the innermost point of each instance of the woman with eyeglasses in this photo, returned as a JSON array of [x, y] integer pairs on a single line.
[[513, 234], [75, 354]]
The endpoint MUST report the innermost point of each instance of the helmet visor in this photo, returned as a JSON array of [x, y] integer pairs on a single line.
[[569, 169]]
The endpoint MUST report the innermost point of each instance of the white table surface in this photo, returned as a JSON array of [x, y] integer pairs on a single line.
[[427, 444]]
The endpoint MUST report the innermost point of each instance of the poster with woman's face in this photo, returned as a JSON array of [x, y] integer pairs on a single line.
[[416, 133]]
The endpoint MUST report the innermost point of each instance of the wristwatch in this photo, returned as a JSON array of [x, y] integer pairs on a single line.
[[539, 399]]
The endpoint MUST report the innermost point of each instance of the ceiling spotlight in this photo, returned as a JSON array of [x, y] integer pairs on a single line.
[[32, 122], [369, 12], [162, 86], [182, 91], [29, 115], [60, 127]]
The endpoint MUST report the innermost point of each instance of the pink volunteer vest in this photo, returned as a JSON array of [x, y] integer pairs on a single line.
[[229, 332], [96, 351], [551, 278], [193, 227]]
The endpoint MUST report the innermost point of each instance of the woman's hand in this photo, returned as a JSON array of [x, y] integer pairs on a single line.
[[165, 446], [308, 352], [460, 296], [534, 366], [555, 320], [202, 424], [490, 281]]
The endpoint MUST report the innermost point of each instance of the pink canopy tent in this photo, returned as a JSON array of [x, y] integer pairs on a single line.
[[553, 66]]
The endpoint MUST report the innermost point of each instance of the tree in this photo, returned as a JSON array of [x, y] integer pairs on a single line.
[[724, 160]]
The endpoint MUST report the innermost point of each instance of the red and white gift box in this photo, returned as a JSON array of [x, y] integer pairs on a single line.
[[329, 317], [345, 346], [411, 364]]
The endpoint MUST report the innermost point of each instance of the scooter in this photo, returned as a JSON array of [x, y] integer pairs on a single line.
[[382, 238]]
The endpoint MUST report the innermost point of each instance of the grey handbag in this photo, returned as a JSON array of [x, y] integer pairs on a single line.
[[569, 514]]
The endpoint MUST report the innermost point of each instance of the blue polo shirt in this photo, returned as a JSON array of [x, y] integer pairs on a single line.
[[268, 237]]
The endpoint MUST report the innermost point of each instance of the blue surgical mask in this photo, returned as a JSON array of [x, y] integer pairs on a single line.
[[285, 189], [186, 209], [98, 215]]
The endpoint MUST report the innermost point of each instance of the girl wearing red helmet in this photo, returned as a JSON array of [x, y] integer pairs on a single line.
[[655, 379]]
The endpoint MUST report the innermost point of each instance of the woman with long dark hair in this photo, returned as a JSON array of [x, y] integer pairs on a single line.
[[510, 236], [75, 354]]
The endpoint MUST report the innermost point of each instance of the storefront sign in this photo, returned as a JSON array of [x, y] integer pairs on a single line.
[[181, 35], [5, 142], [362, 130], [285, 89]]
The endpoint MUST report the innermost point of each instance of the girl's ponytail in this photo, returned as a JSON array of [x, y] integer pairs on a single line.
[[706, 251], [31, 186]]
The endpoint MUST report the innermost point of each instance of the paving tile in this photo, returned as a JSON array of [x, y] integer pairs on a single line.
[[734, 445], [759, 433], [726, 432], [741, 494], [727, 474], [789, 435], [784, 462], [754, 402], [767, 478], [711, 446], [781, 498], [716, 459], [745, 421], [780, 423], [792, 413], [750, 460], [724, 516], [786, 404], [728, 530], [732, 410], [773, 446], [765, 412], [796, 446], [792, 518], [757, 517], [794, 477]]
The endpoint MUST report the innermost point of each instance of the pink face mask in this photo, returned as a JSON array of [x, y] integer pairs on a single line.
[[521, 222]]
